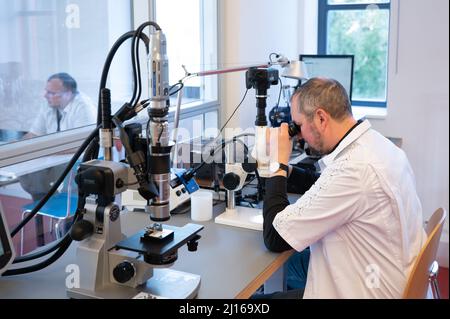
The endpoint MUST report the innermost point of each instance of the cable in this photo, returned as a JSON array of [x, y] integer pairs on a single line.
[[135, 57], [91, 144], [220, 147], [235, 110], [65, 243], [275, 54], [161, 130], [58, 182], [181, 84], [123, 136], [148, 140], [58, 244], [281, 89], [194, 171], [109, 59]]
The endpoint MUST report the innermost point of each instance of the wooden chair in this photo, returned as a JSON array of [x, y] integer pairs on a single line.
[[424, 271]]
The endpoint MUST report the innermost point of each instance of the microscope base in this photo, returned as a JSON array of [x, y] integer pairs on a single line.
[[244, 217], [165, 284]]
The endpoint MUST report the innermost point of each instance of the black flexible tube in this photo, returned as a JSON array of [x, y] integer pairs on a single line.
[[65, 243], [108, 61], [91, 144], [135, 57], [58, 182], [58, 244]]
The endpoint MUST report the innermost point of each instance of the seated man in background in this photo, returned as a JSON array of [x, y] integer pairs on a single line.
[[67, 108], [361, 219]]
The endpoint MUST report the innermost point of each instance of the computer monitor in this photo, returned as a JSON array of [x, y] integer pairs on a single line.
[[338, 67], [7, 253]]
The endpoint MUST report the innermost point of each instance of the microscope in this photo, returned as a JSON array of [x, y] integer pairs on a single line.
[[112, 265], [235, 173], [261, 79]]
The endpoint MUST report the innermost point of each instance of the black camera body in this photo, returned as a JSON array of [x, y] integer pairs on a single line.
[[261, 78]]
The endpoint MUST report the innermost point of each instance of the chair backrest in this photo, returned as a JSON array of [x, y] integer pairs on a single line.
[[418, 280]]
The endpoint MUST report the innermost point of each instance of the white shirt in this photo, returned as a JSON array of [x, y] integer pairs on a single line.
[[79, 112], [362, 220]]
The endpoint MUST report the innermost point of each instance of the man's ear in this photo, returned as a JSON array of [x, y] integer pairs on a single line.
[[322, 118]]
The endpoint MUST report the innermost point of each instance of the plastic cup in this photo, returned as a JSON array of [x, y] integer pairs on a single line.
[[201, 206]]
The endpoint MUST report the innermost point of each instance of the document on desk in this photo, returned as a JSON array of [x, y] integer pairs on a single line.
[[19, 169]]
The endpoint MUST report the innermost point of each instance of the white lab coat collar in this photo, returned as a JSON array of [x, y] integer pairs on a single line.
[[69, 106], [349, 139]]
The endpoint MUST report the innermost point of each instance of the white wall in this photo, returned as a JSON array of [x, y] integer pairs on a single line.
[[418, 99], [249, 31]]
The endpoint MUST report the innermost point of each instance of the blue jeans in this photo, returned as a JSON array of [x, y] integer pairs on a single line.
[[296, 270]]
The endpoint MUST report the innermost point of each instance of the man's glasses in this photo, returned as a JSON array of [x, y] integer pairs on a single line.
[[52, 94]]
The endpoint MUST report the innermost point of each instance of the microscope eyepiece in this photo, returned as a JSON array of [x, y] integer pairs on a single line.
[[293, 129]]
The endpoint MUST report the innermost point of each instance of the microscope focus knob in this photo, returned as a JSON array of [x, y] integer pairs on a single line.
[[231, 181], [81, 230], [124, 271]]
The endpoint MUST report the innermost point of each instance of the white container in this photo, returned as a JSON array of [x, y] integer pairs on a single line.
[[201, 206]]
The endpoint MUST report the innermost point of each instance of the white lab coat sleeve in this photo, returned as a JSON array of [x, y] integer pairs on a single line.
[[330, 203], [39, 126]]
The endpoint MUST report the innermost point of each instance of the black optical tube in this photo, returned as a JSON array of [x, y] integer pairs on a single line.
[[160, 163], [261, 104], [105, 102]]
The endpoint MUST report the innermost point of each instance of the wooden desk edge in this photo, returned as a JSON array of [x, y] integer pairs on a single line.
[[250, 289]]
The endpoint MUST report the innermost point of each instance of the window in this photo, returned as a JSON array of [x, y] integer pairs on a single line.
[[44, 37], [359, 28], [191, 42]]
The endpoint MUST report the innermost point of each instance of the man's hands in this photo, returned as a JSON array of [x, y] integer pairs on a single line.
[[279, 145]]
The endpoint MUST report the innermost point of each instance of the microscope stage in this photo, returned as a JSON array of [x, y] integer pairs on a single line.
[[162, 251]]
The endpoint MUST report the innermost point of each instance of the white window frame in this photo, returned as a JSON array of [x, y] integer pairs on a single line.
[[323, 9]]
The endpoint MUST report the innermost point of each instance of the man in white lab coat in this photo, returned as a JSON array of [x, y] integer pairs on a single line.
[[361, 219]]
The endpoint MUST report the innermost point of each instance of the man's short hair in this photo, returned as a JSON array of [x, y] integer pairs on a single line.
[[324, 93], [68, 81]]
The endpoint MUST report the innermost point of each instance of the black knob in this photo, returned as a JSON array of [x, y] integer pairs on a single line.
[[82, 229], [193, 243], [231, 181], [249, 167], [123, 272]]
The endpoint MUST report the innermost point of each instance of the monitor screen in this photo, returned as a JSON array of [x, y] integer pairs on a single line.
[[338, 67]]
